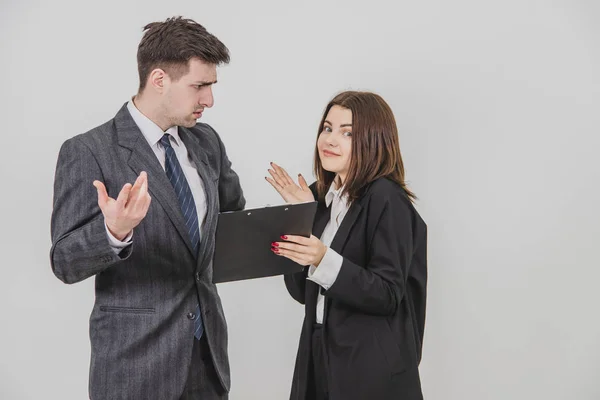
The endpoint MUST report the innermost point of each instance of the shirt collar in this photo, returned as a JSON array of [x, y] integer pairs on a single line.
[[333, 193], [152, 132]]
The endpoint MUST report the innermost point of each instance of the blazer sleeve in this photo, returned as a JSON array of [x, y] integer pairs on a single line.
[[80, 245], [378, 287], [231, 195], [296, 285]]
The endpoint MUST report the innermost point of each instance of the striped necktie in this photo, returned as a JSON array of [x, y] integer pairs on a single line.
[[188, 208]]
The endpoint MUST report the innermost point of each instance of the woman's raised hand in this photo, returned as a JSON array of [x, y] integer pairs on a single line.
[[287, 188]]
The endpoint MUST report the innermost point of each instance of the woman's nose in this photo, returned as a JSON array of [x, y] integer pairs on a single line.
[[331, 141]]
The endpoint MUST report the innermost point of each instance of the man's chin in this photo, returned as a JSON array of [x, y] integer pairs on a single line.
[[190, 123]]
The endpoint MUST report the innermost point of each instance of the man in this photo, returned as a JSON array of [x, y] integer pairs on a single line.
[[157, 328]]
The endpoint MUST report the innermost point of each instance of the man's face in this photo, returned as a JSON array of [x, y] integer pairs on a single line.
[[184, 100]]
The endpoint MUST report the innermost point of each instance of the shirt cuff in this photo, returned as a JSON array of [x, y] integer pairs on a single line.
[[328, 270], [116, 244]]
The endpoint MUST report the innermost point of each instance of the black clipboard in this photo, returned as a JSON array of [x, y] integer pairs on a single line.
[[243, 240]]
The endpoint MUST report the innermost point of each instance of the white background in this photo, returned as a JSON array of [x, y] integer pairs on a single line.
[[497, 107]]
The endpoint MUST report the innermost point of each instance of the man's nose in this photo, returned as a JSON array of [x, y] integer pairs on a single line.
[[207, 99]]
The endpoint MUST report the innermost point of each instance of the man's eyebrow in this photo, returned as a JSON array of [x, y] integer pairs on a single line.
[[205, 83]]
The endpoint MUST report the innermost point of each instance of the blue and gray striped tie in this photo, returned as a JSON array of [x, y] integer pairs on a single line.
[[188, 208]]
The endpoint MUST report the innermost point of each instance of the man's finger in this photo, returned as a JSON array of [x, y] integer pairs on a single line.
[[142, 199], [123, 195], [138, 182], [147, 205], [102, 195], [137, 185], [141, 206], [144, 186]]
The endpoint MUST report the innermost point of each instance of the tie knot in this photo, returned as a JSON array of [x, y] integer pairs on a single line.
[[165, 140]]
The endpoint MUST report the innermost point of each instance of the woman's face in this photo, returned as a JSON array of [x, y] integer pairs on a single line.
[[335, 141]]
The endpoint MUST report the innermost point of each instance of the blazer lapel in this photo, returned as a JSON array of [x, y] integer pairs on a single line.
[[339, 240], [322, 217], [200, 159], [142, 158]]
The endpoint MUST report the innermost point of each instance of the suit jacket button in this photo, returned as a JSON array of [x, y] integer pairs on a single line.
[[198, 276], [191, 316]]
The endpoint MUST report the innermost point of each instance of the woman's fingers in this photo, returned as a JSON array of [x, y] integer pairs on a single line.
[[283, 175], [277, 178], [274, 183], [303, 183], [292, 255]]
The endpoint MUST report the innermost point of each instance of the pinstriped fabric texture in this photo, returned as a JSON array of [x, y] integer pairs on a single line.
[[141, 330]]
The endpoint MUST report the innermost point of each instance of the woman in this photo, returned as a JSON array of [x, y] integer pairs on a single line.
[[364, 283]]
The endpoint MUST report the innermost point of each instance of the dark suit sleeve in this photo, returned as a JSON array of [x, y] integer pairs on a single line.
[[378, 287], [80, 246], [231, 196]]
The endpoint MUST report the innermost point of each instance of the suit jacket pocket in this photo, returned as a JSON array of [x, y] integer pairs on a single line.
[[391, 351], [127, 310]]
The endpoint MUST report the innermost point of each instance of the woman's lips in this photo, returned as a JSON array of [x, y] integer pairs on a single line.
[[328, 153]]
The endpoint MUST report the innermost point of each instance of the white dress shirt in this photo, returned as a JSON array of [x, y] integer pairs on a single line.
[[153, 133], [329, 267]]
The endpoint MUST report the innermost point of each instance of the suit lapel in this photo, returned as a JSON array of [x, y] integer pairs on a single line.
[[321, 219], [339, 240], [142, 158], [322, 216], [200, 159]]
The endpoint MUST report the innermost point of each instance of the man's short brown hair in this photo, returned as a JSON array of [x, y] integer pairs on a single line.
[[170, 45]]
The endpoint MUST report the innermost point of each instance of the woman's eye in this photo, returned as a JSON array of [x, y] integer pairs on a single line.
[[327, 129], [347, 134]]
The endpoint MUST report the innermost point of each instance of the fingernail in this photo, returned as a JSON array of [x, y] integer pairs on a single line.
[[275, 244], [284, 237]]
